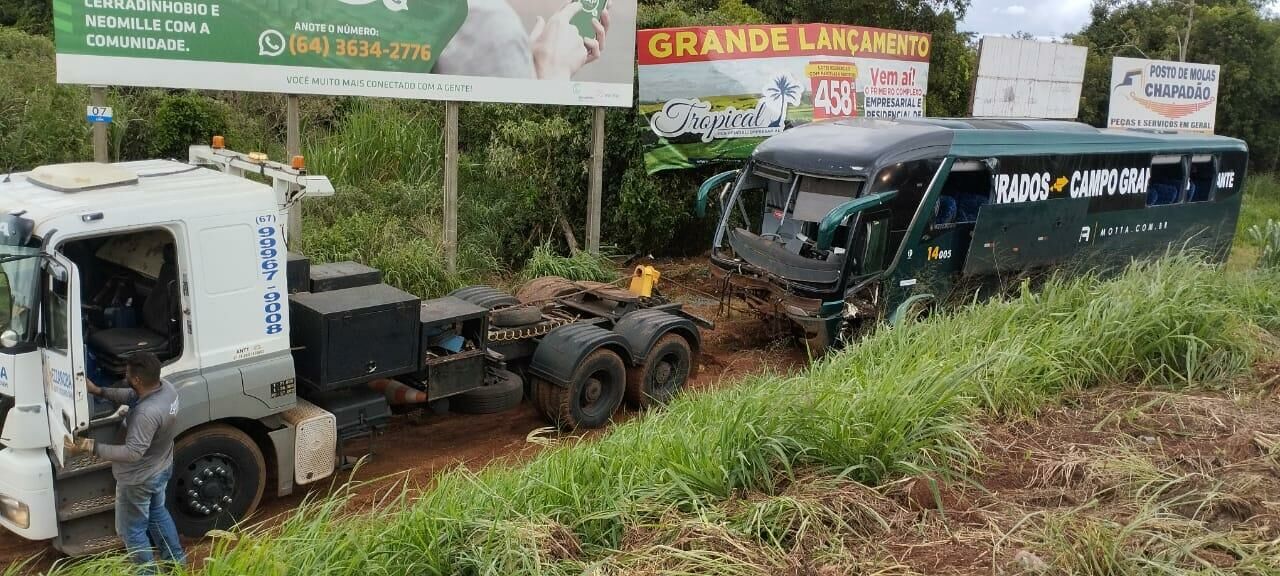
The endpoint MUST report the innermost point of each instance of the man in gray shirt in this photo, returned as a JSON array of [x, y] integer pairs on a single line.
[[143, 464]]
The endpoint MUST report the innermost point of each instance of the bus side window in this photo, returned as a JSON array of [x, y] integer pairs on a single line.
[[967, 189], [1203, 173], [1167, 181]]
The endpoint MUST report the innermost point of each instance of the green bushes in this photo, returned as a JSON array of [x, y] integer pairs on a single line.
[[1268, 237], [581, 265], [901, 402]]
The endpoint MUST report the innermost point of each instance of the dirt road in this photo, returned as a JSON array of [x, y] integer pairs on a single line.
[[737, 347]]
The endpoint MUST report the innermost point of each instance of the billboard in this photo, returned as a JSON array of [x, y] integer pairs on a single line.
[[1162, 95], [529, 51], [713, 93], [1028, 79]]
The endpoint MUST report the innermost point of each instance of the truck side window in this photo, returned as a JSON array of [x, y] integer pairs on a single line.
[[56, 328], [1203, 173], [1167, 181]]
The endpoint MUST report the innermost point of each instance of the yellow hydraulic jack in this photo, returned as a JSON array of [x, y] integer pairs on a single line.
[[644, 280]]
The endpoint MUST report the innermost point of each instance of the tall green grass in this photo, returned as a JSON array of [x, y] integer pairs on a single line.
[[582, 265], [901, 402]]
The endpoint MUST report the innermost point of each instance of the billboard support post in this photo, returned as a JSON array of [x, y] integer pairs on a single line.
[[596, 183], [451, 109], [98, 98], [293, 147]]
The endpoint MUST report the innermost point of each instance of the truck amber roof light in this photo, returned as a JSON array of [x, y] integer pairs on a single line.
[[298, 163], [219, 143], [257, 157]]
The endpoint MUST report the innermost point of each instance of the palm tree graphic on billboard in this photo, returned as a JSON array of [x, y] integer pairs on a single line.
[[783, 92]]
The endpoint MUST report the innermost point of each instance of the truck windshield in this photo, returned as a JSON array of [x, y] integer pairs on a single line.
[[772, 222], [19, 286]]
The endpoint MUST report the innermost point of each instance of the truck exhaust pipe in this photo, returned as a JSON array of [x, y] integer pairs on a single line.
[[399, 394]]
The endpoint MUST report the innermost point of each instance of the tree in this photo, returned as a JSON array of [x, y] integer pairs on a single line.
[[30, 16]]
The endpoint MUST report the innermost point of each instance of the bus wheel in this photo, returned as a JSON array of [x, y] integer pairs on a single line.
[[592, 396], [218, 479], [665, 371]]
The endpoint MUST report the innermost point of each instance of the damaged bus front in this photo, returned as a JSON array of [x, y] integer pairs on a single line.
[[812, 221]]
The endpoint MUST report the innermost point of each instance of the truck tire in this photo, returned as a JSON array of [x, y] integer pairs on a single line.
[[594, 393], [665, 371], [514, 316], [485, 297], [545, 289], [218, 479], [500, 395]]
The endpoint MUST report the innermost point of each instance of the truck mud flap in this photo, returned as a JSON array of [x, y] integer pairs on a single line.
[[643, 328], [564, 349]]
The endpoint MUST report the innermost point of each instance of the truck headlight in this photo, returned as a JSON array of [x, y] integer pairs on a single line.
[[15, 511]]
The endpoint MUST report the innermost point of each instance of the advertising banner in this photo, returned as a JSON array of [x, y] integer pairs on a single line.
[[1162, 95], [528, 51], [714, 93]]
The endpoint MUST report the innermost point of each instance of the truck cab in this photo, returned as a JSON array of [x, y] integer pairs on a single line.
[[102, 261], [834, 226]]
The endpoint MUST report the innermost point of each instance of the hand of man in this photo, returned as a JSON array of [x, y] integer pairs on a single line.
[[558, 49], [77, 446], [92, 388]]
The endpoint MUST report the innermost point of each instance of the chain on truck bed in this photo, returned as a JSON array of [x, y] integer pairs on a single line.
[[551, 320]]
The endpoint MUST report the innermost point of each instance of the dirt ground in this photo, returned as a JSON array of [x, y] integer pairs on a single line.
[[735, 348]]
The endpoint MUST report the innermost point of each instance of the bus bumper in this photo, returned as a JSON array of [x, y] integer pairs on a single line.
[[26, 494]]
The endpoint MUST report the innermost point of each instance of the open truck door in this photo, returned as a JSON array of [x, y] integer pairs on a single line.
[[63, 353]]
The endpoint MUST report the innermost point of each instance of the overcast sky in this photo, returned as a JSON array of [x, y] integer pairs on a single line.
[[1050, 18]]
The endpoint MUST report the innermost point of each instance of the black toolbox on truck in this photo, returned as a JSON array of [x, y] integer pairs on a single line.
[[353, 336], [298, 273], [341, 275]]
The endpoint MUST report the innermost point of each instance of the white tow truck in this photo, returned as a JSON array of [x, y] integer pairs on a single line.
[[277, 363]]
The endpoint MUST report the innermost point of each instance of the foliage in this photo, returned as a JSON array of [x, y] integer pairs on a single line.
[[582, 265], [40, 121], [30, 16], [1267, 236]]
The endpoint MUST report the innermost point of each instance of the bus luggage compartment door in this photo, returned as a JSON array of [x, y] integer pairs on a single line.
[[1015, 237]]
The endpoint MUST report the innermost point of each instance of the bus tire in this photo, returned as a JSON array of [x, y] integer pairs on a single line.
[[591, 397], [665, 371], [219, 476]]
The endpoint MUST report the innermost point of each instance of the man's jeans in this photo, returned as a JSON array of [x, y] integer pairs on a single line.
[[143, 522]]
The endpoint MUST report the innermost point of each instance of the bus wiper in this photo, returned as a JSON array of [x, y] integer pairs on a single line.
[[16, 257]]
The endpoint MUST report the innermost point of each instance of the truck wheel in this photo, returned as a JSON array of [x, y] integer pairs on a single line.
[[485, 297], [545, 289], [514, 316], [592, 396], [500, 395], [665, 371], [218, 478]]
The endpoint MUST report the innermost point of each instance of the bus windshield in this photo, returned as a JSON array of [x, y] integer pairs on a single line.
[[772, 220]]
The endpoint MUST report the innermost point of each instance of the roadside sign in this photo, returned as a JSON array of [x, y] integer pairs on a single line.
[[530, 51], [99, 114]]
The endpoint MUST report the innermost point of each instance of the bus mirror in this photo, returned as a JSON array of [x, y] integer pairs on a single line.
[[704, 191]]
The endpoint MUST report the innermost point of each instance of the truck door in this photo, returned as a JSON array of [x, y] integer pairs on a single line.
[[63, 353]]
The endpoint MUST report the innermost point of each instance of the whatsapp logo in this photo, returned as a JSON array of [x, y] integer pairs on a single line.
[[392, 5], [270, 43], [592, 6]]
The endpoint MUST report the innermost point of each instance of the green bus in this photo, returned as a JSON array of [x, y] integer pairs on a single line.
[[833, 226]]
